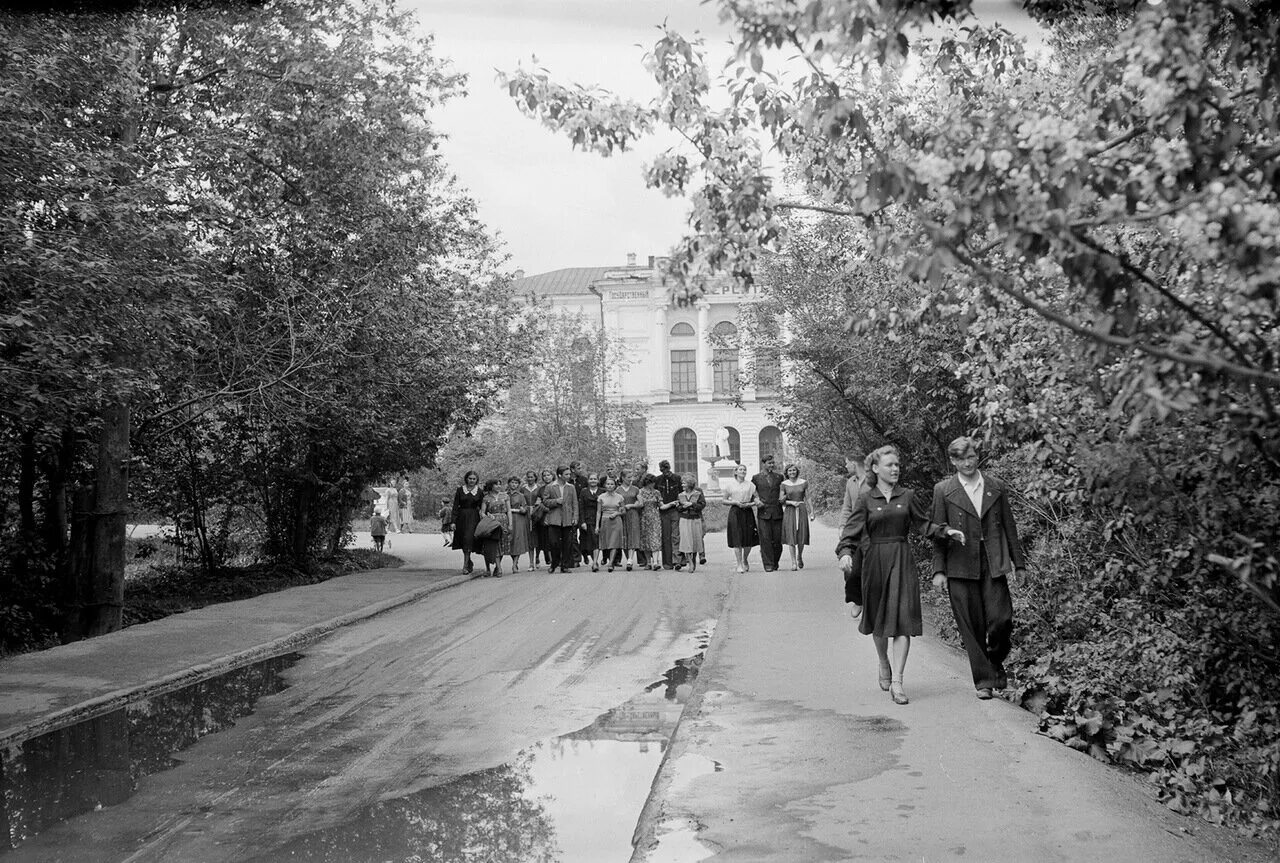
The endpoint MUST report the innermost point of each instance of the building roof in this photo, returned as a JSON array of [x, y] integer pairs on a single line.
[[559, 283]]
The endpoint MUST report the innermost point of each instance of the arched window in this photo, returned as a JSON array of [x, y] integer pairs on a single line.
[[684, 455], [682, 330], [724, 359], [770, 443]]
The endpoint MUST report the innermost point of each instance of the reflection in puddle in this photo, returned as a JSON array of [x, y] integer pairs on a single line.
[[98, 762], [573, 799], [678, 839]]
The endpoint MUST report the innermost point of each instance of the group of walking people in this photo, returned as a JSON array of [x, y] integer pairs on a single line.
[[568, 517], [624, 517], [975, 548]]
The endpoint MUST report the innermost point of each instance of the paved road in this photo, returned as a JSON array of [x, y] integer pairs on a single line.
[[429, 721]]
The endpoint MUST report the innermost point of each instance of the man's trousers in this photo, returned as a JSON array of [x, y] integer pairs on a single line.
[[770, 530], [983, 610]]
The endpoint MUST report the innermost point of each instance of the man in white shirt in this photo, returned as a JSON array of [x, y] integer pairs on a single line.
[[976, 568]]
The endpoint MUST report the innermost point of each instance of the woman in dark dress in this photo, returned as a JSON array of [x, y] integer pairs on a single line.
[[588, 501], [466, 513], [740, 527], [540, 510], [883, 514]]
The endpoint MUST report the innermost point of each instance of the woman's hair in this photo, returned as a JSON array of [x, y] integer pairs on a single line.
[[490, 485], [512, 479], [649, 479], [790, 467], [466, 476], [545, 471], [688, 479], [608, 479], [531, 473], [873, 459], [741, 467]]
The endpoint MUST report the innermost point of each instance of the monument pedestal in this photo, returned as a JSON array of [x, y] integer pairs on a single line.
[[718, 470]]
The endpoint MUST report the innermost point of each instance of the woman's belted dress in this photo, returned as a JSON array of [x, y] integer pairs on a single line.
[[890, 585]]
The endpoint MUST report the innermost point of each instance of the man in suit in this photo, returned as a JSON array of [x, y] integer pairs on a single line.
[[669, 486], [769, 516], [561, 500], [853, 486], [976, 568]]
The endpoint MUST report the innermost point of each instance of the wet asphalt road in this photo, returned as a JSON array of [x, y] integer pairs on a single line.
[[455, 685]]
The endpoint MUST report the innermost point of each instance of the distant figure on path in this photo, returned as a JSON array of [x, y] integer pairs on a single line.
[[519, 507], [650, 523], [446, 522], [588, 535], [493, 546], [668, 486], [691, 504], [531, 490], [378, 529], [883, 514], [740, 528], [609, 517], [795, 514], [561, 500], [976, 567], [631, 507], [769, 515], [404, 501]]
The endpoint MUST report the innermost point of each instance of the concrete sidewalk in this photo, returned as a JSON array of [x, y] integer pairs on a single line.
[[51, 688], [790, 751]]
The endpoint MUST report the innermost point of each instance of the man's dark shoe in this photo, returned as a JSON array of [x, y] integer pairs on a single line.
[[985, 693]]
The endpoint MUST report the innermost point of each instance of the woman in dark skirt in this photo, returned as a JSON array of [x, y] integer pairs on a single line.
[[882, 516], [540, 528], [741, 525], [588, 499], [466, 513]]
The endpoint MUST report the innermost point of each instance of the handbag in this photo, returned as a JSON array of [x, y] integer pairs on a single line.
[[487, 526]]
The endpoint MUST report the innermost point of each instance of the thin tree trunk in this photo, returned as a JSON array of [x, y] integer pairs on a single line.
[[27, 534]]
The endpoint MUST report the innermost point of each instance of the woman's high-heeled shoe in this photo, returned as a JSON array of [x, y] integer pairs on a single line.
[[886, 677], [895, 690]]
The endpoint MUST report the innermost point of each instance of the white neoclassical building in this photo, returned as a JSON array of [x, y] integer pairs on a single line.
[[685, 363]]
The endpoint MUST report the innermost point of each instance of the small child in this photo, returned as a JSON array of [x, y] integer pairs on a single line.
[[378, 528], [446, 524]]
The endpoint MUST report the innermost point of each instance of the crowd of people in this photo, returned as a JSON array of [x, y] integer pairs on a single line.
[[623, 517], [628, 517]]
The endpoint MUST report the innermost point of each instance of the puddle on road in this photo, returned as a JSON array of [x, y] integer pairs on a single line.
[[98, 762], [572, 799]]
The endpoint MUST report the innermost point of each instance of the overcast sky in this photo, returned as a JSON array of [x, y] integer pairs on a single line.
[[555, 207]]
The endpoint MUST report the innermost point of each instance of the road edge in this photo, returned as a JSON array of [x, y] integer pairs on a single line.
[[117, 699]]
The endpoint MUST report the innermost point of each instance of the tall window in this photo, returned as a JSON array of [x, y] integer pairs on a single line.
[[770, 443], [684, 373], [684, 456], [724, 359]]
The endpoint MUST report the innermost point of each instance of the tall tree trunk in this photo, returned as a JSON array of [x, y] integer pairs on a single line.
[[57, 476], [98, 529], [27, 534]]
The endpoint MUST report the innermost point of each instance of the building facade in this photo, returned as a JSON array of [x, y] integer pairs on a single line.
[[687, 364]]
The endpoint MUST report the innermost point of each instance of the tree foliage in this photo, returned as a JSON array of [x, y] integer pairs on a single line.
[[228, 231], [1088, 236]]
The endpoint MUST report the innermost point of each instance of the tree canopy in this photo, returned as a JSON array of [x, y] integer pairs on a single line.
[[1084, 236]]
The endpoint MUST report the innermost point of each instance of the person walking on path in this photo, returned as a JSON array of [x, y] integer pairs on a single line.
[[561, 500], [857, 470], [378, 530], [609, 521], [519, 506], [691, 503], [542, 529], [883, 514], [493, 546], [976, 566], [466, 513], [740, 529], [795, 514], [588, 536], [631, 515], [769, 514], [404, 502], [650, 523], [531, 491], [668, 486], [446, 522]]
